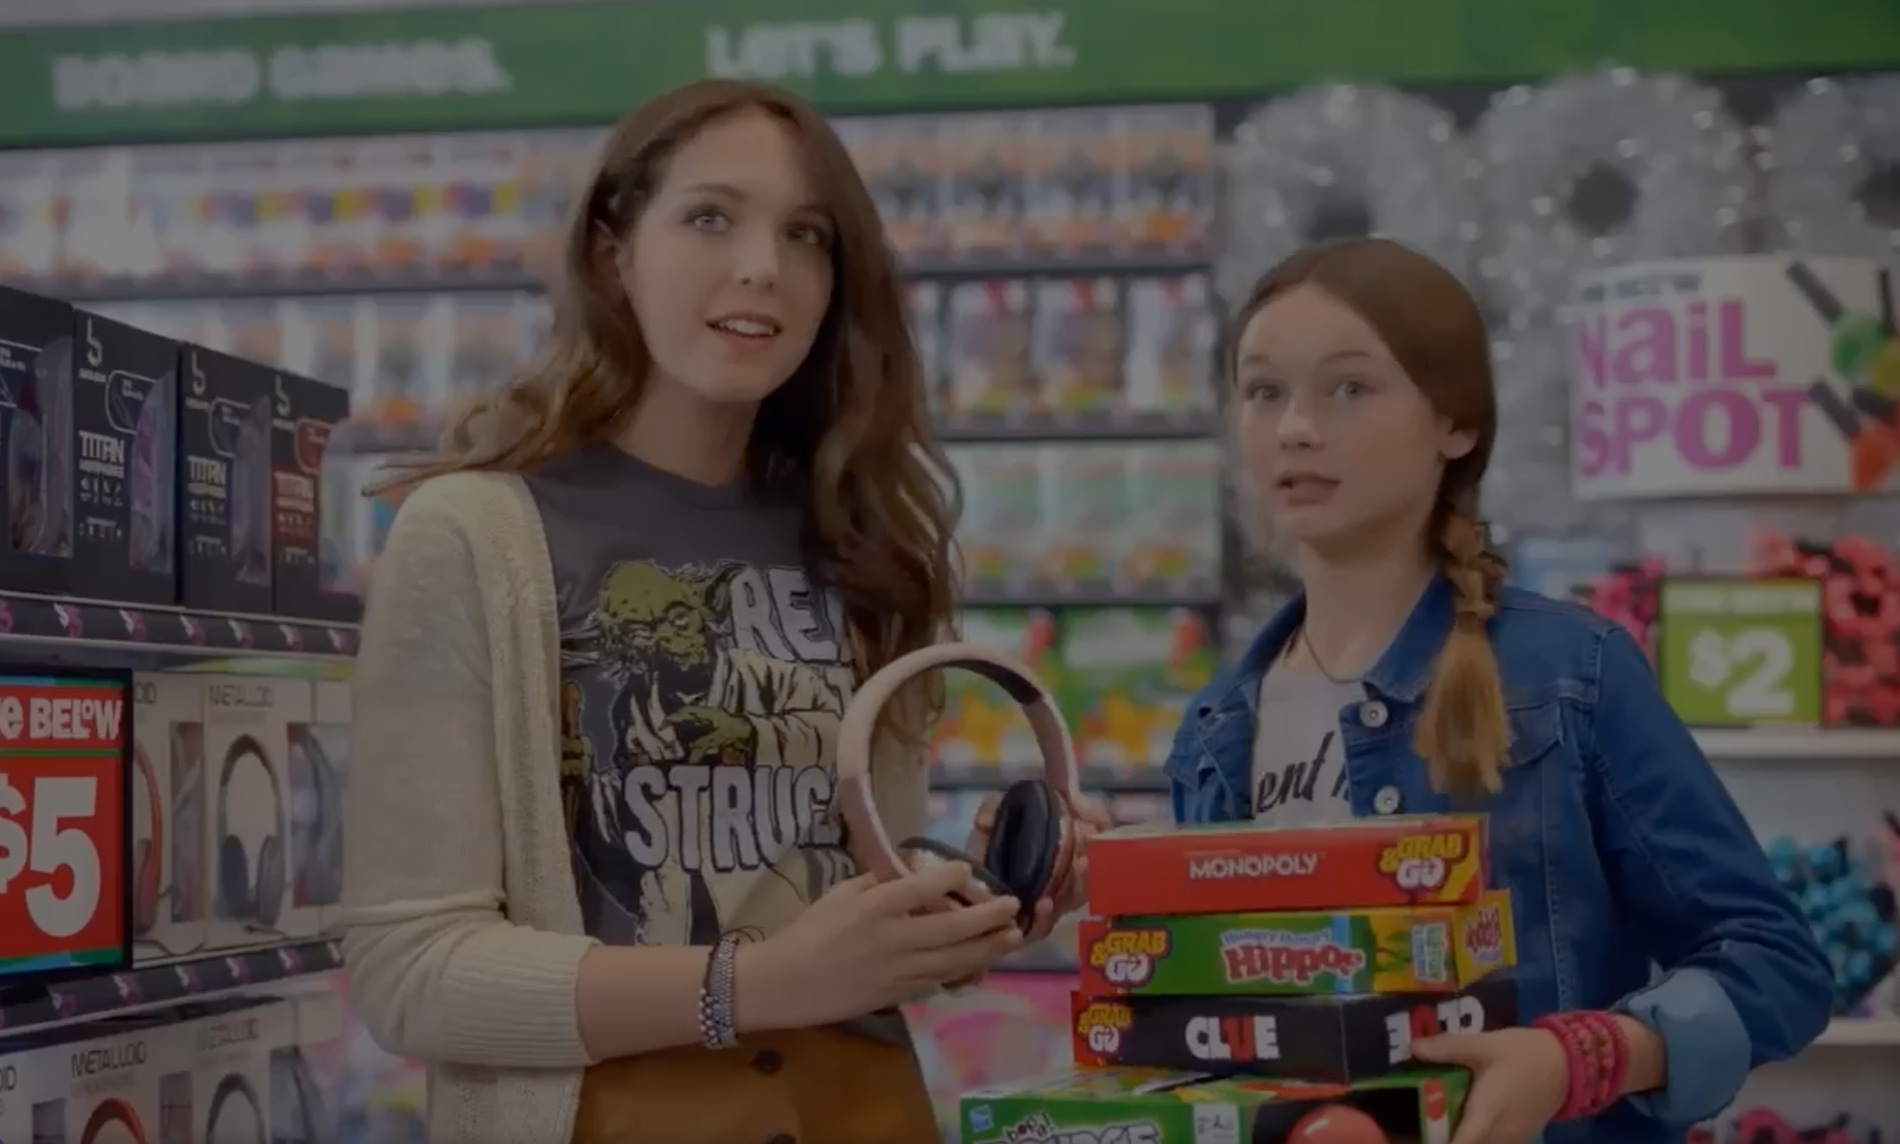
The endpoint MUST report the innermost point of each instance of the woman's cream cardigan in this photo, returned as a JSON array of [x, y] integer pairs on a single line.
[[464, 936]]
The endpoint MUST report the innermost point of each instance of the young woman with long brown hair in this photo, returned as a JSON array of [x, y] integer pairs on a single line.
[[606, 652], [1406, 679]]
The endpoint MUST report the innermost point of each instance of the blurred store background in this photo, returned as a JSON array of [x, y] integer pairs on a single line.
[[370, 194]]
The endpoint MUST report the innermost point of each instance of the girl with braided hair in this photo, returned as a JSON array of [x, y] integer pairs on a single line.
[[1406, 678]]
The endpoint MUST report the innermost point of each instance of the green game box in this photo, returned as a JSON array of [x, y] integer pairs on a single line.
[[1157, 1106]]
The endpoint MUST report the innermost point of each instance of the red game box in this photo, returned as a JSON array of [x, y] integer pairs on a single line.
[[1138, 870]]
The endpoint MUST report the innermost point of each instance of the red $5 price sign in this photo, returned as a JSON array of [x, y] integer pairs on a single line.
[[62, 823]]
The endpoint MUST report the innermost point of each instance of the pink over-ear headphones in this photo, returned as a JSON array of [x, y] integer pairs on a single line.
[[1032, 844]]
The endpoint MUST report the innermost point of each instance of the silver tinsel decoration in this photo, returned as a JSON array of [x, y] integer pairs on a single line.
[[1823, 150], [1528, 483], [1608, 168], [1344, 160]]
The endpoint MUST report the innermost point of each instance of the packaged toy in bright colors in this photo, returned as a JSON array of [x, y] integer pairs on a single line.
[[1234, 869], [1154, 1106], [1335, 1039], [1394, 949]]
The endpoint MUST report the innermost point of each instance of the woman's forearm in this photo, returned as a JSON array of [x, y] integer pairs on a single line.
[[642, 999]]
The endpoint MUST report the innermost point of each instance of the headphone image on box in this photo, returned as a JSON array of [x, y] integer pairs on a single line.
[[320, 867], [39, 444], [148, 853], [296, 1109], [248, 892], [1032, 843], [250, 495], [235, 1089], [150, 480], [110, 1111]]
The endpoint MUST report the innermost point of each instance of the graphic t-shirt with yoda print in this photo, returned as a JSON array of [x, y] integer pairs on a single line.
[[703, 679]]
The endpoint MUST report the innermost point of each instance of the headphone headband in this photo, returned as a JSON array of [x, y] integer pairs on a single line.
[[241, 747], [235, 1085], [112, 1110], [870, 843], [154, 801]]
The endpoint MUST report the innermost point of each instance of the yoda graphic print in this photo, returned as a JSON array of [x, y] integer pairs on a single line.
[[700, 707]]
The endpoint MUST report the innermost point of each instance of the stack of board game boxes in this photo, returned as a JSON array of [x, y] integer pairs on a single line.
[[1246, 985]]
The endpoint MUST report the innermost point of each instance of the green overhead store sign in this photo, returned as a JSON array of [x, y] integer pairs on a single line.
[[586, 63]]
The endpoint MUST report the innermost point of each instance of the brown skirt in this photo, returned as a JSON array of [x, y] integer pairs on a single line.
[[805, 1086]]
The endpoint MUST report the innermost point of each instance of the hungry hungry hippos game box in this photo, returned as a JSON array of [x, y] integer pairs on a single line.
[[1398, 861], [1333, 1039], [1394, 949], [1154, 1106]]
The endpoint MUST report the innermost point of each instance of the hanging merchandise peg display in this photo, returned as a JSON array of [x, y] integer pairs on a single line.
[[1342, 161], [1599, 170], [65, 818]]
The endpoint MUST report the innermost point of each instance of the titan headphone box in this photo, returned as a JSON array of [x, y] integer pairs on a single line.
[[231, 1056], [248, 786], [36, 421], [308, 575], [319, 776], [125, 411], [224, 458], [169, 889]]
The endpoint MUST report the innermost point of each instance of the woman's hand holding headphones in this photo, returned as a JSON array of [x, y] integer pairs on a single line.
[[1091, 818], [866, 946]]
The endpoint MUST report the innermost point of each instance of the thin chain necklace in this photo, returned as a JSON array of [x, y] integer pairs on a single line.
[[1312, 653]]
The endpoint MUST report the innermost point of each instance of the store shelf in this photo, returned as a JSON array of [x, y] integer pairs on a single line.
[[1059, 597], [1110, 780], [155, 987], [1801, 744], [1159, 428], [516, 279], [1861, 1033], [92, 632]]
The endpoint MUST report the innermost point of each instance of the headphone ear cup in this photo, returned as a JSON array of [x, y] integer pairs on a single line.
[[1026, 841], [270, 881], [234, 878], [144, 886]]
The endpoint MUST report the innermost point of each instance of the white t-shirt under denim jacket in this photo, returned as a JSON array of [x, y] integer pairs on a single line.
[[1299, 759]]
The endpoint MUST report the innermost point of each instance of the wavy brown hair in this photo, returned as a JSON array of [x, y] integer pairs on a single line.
[[1435, 330], [848, 434]]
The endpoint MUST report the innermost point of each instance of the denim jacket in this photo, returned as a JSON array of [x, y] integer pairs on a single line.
[[1622, 850]]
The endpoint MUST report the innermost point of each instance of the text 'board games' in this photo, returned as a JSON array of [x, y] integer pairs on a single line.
[[63, 824], [1415, 949], [1139, 870]]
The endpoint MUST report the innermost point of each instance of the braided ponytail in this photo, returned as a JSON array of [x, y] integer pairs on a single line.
[[1463, 734]]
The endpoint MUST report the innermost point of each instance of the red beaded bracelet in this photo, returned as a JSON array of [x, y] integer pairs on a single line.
[[1596, 1053]]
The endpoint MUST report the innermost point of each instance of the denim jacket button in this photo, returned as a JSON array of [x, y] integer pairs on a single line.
[[1386, 801], [1372, 713]]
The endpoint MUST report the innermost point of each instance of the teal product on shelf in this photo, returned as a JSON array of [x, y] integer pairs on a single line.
[[1174, 518], [1086, 525]]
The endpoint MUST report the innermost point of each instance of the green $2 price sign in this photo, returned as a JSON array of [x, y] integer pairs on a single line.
[[1739, 652]]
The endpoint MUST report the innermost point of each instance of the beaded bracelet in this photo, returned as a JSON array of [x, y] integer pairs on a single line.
[[717, 1027], [1596, 1052]]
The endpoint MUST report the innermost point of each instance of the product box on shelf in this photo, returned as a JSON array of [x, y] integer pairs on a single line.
[[1310, 1038], [36, 404], [306, 581], [169, 888], [319, 774], [306, 1073], [83, 1083], [1157, 1106], [249, 846], [1399, 861], [1394, 949], [231, 1056], [224, 447], [125, 412]]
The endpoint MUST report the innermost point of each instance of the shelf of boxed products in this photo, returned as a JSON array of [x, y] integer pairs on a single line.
[[144, 635], [1802, 744], [36, 1009]]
